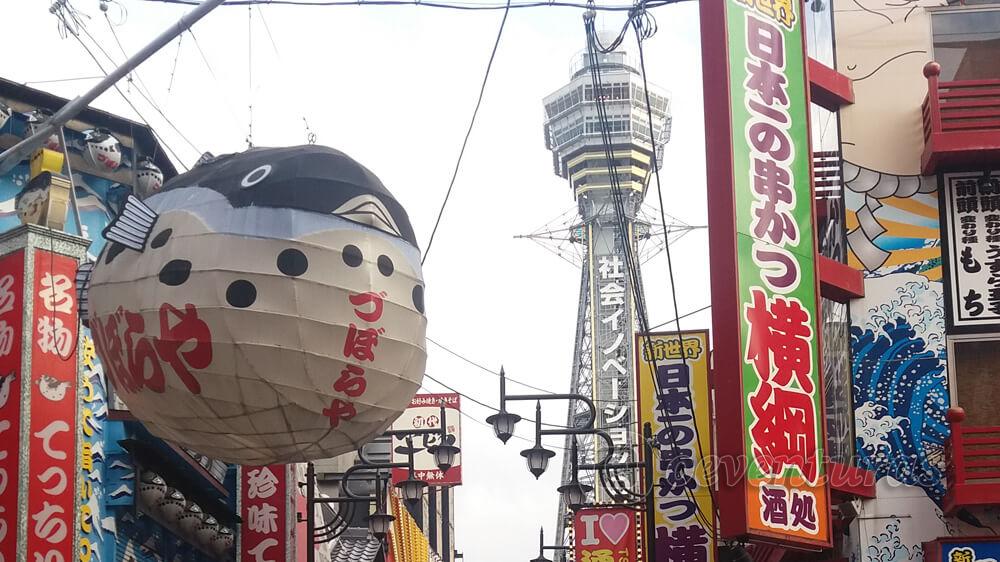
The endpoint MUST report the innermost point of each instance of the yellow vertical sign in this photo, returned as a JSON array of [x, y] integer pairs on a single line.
[[673, 397]]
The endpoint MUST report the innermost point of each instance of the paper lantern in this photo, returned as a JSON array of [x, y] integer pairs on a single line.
[[102, 150], [5, 113], [265, 307], [36, 119], [206, 530], [152, 488], [191, 518], [148, 178], [171, 506]]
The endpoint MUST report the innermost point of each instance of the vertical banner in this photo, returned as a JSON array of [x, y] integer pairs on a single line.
[[52, 450], [264, 508], [11, 332], [93, 413], [673, 397], [970, 219], [605, 533], [425, 413], [765, 313]]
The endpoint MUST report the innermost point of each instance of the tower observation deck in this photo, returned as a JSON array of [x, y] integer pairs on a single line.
[[604, 358]]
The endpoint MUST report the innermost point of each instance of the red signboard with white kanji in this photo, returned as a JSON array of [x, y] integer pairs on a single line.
[[264, 511], [11, 310], [425, 413], [605, 534], [52, 434]]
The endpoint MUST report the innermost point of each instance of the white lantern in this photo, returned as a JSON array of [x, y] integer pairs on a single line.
[[152, 488], [36, 119], [148, 178], [206, 531], [191, 518], [102, 150], [5, 113], [265, 307], [171, 506], [222, 541]]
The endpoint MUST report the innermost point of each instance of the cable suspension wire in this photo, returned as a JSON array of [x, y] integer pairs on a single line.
[[618, 204], [468, 132], [467, 6], [488, 370], [60, 80]]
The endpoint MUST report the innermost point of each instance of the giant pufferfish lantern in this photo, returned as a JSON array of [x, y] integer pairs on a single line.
[[265, 307]]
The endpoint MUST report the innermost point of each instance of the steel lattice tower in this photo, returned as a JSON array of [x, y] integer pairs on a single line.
[[603, 357]]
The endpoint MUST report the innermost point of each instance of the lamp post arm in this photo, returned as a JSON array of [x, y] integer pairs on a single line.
[[377, 467], [591, 409]]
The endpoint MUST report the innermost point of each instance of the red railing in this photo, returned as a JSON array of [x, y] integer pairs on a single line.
[[973, 455], [961, 121]]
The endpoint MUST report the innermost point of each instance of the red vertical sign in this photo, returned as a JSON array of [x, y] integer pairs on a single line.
[[264, 510], [605, 533], [11, 312], [52, 449]]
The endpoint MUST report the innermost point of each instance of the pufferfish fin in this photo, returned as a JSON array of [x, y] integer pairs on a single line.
[[132, 227], [368, 210], [83, 273]]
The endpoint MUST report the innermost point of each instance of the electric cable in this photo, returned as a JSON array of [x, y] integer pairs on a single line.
[[467, 6], [488, 370], [468, 133]]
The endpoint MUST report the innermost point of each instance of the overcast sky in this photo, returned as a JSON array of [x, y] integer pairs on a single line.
[[395, 87]]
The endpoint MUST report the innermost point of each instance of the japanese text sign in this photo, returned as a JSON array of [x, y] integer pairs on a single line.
[[52, 449], [264, 508], [603, 534], [764, 291], [425, 413], [11, 311], [673, 398], [971, 212], [962, 550]]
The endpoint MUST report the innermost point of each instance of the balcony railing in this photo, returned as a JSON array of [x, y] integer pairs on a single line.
[[961, 123], [973, 455]]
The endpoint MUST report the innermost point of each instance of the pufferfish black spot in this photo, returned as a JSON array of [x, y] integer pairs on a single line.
[[352, 255], [418, 298], [113, 250], [161, 239], [175, 272], [385, 266], [241, 293], [292, 262]]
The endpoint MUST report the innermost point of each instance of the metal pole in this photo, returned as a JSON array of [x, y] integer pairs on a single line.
[[310, 513], [10, 157], [647, 435], [72, 184]]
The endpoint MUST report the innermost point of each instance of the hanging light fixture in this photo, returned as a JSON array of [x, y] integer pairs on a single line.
[[503, 424], [412, 489], [538, 456], [444, 455], [379, 523], [574, 493]]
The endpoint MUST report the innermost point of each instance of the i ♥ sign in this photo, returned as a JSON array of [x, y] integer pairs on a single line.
[[605, 533]]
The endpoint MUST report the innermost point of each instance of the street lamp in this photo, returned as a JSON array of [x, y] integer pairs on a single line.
[[503, 422], [411, 488], [538, 456], [444, 455], [379, 522], [542, 548], [574, 494]]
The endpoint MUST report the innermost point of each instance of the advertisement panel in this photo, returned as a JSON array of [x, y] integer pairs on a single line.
[[425, 413], [764, 288], [605, 533], [52, 450], [970, 219], [264, 512], [673, 398], [11, 327]]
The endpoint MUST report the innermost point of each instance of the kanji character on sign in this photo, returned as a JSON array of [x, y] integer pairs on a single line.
[[803, 511], [185, 328], [57, 294], [784, 431], [780, 331], [765, 41], [612, 294], [602, 555], [54, 337], [261, 483], [774, 506], [768, 84], [610, 267], [685, 544], [362, 300], [259, 552], [263, 518], [361, 343]]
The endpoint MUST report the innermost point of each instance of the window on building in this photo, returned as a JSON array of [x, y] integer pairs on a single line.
[[967, 43], [974, 380]]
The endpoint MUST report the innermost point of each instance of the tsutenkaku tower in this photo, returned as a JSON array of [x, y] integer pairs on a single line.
[[604, 358]]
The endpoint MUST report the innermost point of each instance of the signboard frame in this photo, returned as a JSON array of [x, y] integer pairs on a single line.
[[594, 527], [423, 462], [756, 90]]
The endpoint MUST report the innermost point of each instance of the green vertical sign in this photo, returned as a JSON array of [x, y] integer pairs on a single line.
[[785, 485]]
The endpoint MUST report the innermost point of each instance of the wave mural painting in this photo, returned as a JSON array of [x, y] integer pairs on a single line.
[[900, 382]]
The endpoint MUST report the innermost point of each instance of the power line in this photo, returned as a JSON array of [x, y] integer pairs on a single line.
[[59, 80], [467, 6], [468, 132], [488, 370], [681, 317]]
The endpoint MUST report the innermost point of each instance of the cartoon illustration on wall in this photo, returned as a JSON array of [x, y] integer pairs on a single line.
[[898, 348]]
